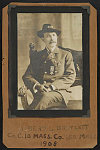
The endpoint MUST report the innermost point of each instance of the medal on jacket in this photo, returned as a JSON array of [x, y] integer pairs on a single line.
[[51, 70]]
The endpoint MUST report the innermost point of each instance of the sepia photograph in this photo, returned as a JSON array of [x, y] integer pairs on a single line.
[[49, 61]]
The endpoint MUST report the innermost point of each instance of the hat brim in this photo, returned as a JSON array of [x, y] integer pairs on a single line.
[[41, 32]]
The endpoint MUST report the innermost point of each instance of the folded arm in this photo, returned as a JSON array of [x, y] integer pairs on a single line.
[[31, 83], [28, 78]]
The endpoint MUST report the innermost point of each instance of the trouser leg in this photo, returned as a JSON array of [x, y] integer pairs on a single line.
[[48, 99], [36, 100]]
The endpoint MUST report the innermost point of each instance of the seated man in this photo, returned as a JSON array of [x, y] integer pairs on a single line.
[[50, 73]]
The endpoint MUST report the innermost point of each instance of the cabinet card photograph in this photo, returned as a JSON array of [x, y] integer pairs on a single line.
[[51, 49], [49, 76]]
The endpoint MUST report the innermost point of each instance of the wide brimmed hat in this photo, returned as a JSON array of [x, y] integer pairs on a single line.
[[47, 28]]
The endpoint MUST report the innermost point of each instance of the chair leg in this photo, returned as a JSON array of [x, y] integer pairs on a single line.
[[24, 102]]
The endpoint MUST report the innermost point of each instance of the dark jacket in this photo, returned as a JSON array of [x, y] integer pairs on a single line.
[[56, 68]]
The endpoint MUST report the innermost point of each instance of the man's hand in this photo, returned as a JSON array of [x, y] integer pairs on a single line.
[[49, 86], [42, 88]]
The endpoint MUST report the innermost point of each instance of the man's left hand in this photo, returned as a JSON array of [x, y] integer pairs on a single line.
[[49, 87]]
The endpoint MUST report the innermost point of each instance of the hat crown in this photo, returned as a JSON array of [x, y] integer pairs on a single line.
[[47, 26]]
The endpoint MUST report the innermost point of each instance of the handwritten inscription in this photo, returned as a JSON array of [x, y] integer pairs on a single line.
[[80, 136], [58, 128], [36, 136], [48, 136], [50, 143]]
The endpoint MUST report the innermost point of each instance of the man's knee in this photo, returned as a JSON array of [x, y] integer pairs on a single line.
[[48, 98], [45, 100]]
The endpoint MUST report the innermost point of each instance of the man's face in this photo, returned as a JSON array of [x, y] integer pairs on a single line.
[[50, 39]]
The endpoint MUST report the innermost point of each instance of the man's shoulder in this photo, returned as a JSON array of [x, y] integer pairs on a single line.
[[65, 51]]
